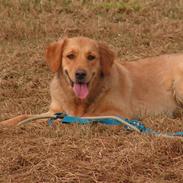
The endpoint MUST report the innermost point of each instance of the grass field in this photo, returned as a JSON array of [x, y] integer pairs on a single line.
[[93, 153]]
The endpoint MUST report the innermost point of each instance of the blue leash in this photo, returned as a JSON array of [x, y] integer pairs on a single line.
[[128, 124]]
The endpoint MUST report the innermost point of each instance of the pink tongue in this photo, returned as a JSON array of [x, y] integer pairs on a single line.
[[81, 90]]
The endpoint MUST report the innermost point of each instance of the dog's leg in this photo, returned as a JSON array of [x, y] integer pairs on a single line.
[[14, 121], [178, 89]]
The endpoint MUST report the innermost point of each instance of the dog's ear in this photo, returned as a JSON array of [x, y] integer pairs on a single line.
[[107, 57], [54, 54]]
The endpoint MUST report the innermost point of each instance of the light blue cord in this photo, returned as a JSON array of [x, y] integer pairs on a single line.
[[67, 119]]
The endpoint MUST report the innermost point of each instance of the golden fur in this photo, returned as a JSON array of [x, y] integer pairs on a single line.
[[147, 87]]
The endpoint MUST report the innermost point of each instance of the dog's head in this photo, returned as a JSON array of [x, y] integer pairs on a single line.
[[81, 61]]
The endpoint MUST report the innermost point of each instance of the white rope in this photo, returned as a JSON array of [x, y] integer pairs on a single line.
[[43, 116], [35, 117]]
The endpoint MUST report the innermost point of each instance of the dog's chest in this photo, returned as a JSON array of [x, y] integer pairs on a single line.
[[74, 108]]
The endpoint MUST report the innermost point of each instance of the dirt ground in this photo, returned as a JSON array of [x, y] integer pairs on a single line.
[[36, 153]]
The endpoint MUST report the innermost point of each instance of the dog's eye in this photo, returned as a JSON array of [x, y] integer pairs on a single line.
[[91, 57], [71, 56]]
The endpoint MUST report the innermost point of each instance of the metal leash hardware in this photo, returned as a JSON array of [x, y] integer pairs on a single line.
[[57, 116]]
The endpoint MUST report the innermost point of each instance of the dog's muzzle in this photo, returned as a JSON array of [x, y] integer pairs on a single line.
[[80, 76]]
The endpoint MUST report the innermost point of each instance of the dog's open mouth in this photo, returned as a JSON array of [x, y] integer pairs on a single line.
[[80, 89]]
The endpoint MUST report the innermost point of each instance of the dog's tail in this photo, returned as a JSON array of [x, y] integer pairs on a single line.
[[14, 121]]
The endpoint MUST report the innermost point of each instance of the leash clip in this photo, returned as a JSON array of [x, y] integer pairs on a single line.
[[57, 116]]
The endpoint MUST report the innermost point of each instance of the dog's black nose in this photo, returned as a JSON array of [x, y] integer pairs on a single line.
[[80, 75]]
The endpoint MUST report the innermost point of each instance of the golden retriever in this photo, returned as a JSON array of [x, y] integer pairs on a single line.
[[90, 81]]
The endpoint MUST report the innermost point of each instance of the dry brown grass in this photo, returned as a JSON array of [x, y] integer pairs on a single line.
[[37, 153]]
